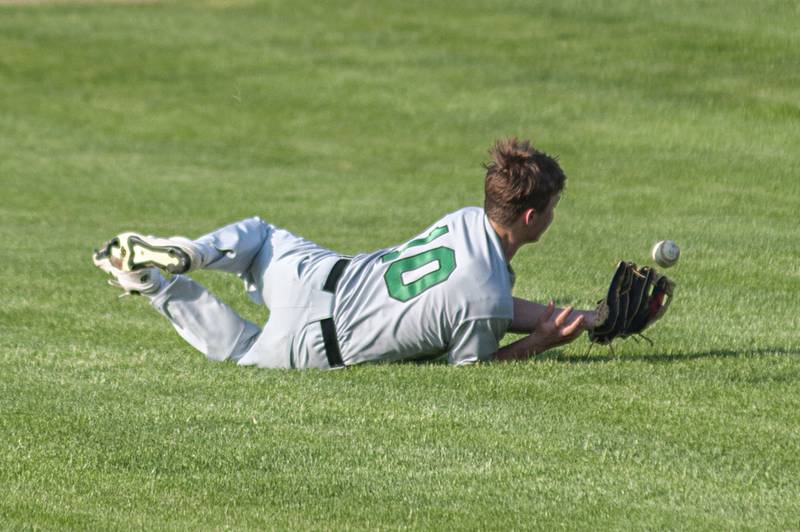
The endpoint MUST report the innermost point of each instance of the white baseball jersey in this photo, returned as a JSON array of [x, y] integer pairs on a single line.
[[447, 292]]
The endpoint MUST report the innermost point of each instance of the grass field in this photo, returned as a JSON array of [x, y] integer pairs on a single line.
[[356, 124]]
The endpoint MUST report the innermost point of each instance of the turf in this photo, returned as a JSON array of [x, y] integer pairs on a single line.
[[357, 124]]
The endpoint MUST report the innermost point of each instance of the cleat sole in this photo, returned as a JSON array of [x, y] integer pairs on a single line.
[[139, 254]]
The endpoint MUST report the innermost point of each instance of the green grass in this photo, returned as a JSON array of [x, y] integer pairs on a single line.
[[357, 124]]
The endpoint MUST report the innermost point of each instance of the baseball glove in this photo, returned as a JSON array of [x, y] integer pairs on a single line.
[[637, 297]]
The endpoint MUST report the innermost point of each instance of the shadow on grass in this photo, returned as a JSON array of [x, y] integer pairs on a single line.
[[596, 355]]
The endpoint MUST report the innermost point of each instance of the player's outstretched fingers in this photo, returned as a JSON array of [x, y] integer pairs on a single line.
[[562, 317], [574, 327]]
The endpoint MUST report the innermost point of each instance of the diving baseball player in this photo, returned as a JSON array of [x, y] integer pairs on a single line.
[[445, 293]]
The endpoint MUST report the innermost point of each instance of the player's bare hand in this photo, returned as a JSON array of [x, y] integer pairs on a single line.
[[557, 330]]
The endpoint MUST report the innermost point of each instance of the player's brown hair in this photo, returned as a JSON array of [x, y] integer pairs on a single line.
[[519, 177]]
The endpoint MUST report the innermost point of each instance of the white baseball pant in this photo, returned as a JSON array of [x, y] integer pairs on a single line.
[[280, 270]]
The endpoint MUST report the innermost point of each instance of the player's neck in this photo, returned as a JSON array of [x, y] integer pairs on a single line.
[[508, 239]]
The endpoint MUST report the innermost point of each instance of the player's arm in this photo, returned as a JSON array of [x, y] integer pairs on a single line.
[[551, 329], [528, 313]]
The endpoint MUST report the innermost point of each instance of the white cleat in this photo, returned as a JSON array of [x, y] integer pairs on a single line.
[[131, 252], [145, 281]]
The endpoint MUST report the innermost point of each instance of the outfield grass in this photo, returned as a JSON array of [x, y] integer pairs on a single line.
[[357, 124]]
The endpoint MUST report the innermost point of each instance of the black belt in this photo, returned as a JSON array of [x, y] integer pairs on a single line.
[[328, 327]]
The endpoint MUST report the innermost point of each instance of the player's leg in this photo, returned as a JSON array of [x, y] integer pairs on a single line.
[[268, 259], [206, 323], [273, 347], [197, 315], [231, 248]]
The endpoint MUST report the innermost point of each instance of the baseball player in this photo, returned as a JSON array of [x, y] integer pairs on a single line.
[[445, 293]]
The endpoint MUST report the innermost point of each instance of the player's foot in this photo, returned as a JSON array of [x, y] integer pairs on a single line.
[[146, 281], [136, 252]]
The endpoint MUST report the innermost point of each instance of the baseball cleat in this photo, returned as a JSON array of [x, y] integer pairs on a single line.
[[144, 281], [136, 252], [108, 258]]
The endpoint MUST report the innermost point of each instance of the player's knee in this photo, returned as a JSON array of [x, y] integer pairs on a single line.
[[245, 342]]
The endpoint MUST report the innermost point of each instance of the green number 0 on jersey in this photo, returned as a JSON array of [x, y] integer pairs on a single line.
[[393, 277]]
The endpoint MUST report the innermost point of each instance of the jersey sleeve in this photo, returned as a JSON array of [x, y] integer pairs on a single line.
[[476, 340]]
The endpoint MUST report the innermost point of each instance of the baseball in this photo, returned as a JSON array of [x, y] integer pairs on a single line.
[[666, 253]]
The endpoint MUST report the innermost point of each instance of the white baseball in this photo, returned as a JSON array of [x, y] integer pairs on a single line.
[[666, 253]]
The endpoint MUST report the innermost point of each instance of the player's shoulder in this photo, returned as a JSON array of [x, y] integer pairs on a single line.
[[465, 223], [482, 283], [473, 233]]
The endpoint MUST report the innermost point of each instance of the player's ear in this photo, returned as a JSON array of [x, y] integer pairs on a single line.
[[529, 215]]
